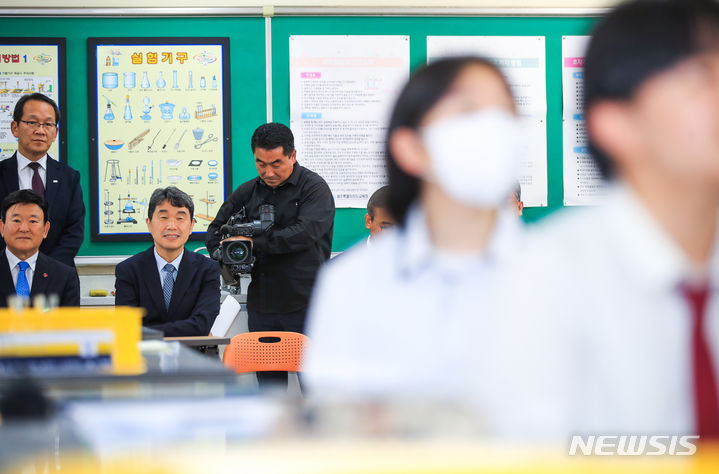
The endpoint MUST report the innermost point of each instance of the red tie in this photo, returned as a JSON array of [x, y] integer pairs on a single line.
[[37, 185], [706, 400]]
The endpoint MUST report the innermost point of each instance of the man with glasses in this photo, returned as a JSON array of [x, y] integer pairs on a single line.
[[35, 125]]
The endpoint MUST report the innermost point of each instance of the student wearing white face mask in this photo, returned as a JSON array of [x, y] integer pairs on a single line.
[[399, 318]]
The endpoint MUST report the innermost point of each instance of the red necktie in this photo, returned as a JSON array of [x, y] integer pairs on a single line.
[[37, 185], [706, 400]]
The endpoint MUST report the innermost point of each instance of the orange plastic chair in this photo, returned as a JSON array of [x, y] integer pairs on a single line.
[[266, 350]]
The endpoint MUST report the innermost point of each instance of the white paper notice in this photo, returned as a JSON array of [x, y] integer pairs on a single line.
[[342, 89], [522, 60], [582, 181]]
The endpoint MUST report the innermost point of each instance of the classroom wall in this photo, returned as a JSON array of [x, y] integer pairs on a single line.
[[570, 4], [248, 74], [247, 106]]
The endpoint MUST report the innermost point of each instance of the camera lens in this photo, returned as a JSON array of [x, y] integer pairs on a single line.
[[237, 251]]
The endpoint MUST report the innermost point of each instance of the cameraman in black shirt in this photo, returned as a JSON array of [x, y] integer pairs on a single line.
[[291, 251]]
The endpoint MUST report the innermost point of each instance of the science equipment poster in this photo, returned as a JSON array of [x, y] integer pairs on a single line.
[[522, 59], [29, 65], [583, 184], [342, 89], [159, 116]]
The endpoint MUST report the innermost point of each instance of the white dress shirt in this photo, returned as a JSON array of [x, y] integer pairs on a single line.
[[161, 262], [398, 317], [13, 263], [24, 172], [611, 328]]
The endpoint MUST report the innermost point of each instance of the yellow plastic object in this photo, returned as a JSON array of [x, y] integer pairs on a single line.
[[69, 331], [98, 292]]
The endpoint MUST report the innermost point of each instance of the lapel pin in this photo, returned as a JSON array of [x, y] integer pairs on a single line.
[[44, 275], [54, 181]]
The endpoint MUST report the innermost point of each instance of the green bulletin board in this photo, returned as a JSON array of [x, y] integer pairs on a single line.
[[247, 65], [248, 100], [349, 223]]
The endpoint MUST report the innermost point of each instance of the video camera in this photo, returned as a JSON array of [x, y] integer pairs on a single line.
[[236, 256]]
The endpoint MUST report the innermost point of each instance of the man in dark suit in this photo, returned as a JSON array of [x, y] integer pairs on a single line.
[[179, 289], [35, 122], [24, 270]]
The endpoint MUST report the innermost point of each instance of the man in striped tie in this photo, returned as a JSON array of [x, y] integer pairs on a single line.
[[179, 289], [26, 272]]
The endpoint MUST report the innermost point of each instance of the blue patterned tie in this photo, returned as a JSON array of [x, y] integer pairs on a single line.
[[168, 283], [23, 287]]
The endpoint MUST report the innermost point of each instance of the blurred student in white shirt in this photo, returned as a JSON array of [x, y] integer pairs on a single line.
[[627, 291], [398, 318]]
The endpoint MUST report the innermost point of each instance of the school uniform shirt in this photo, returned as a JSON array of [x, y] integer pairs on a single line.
[[609, 327], [398, 318]]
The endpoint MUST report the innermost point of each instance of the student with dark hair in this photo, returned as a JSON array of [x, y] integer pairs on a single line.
[[378, 218], [26, 272], [35, 124], [179, 289], [452, 156], [627, 291], [289, 254]]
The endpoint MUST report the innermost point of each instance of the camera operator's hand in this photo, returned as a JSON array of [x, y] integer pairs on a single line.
[[237, 237]]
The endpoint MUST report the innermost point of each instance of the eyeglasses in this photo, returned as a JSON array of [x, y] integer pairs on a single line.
[[32, 124]]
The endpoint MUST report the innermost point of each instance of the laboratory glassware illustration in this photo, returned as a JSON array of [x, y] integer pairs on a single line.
[[146, 109], [202, 113], [128, 111], [129, 80], [126, 212], [109, 80], [109, 114], [167, 110], [161, 83], [145, 84], [114, 144]]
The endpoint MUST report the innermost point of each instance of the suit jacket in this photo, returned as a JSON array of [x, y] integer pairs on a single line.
[[195, 300], [50, 277], [66, 209]]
